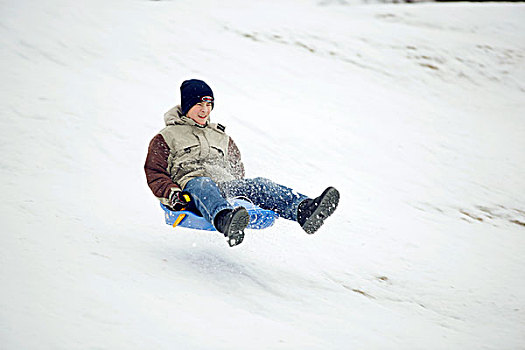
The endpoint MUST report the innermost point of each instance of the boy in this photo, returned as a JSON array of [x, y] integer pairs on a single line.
[[195, 156]]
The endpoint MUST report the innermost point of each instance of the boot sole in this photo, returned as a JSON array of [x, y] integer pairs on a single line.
[[239, 221], [326, 208]]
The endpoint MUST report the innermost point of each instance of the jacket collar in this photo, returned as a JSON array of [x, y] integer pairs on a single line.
[[174, 117]]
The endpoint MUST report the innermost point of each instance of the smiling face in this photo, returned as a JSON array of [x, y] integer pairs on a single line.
[[200, 112]]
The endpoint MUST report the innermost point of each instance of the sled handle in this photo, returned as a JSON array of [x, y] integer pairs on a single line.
[[179, 219]]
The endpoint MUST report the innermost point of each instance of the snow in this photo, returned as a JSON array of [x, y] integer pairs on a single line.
[[415, 112]]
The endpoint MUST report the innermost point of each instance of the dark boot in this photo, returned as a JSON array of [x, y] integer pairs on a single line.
[[311, 213], [231, 223]]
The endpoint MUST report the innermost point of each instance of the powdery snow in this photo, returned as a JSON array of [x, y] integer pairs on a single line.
[[414, 112]]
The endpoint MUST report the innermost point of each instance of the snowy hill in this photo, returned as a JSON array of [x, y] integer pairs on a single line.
[[414, 112]]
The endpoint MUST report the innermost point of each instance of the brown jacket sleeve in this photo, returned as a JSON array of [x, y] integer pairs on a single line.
[[156, 168], [234, 159]]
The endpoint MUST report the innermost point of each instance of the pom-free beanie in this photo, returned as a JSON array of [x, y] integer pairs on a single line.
[[194, 91]]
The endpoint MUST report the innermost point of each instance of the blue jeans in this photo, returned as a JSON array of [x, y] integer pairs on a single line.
[[210, 197]]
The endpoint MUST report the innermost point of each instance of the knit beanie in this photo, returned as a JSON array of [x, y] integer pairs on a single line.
[[194, 91]]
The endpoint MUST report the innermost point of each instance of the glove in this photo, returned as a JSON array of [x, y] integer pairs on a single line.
[[178, 200]]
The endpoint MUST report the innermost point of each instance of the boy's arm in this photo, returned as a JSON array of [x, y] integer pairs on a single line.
[[156, 168]]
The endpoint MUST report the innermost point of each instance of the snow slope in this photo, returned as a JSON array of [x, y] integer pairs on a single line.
[[415, 112]]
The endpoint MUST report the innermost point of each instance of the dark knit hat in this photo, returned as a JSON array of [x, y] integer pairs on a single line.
[[194, 91]]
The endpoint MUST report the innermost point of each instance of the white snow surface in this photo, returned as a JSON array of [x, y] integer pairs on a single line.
[[415, 112]]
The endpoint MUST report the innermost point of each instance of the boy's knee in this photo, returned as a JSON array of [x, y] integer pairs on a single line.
[[198, 181], [262, 180]]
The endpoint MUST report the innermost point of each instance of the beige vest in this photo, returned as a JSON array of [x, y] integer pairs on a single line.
[[195, 150]]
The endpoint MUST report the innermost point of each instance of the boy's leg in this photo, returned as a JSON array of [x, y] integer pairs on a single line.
[[206, 197], [215, 209], [309, 213], [266, 194]]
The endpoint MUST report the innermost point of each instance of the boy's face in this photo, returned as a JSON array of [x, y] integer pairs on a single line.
[[200, 113]]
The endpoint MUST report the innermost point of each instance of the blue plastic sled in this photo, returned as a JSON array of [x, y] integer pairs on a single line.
[[259, 218]]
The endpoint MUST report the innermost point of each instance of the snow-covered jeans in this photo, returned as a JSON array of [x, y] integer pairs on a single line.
[[210, 197]]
